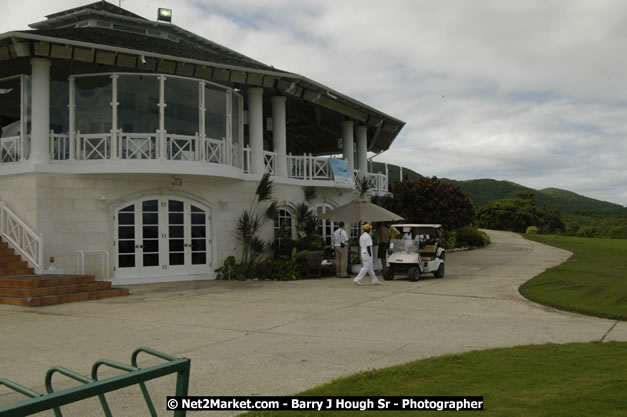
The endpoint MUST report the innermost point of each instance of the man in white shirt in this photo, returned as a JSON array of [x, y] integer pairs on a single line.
[[365, 248], [340, 243]]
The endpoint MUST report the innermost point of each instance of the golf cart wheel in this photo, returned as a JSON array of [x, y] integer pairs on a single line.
[[413, 274], [388, 274], [440, 272]]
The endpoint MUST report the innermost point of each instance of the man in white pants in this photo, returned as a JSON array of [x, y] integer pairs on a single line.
[[365, 247]]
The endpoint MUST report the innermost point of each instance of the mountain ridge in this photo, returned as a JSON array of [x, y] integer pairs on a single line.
[[483, 190]]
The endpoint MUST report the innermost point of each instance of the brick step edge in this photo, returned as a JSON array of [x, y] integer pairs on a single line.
[[54, 290], [40, 281], [64, 298]]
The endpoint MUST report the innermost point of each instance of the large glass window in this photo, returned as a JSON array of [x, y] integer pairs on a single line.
[[236, 118], [59, 100], [10, 107], [182, 103], [138, 108], [93, 104], [215, 112], [283, 224]]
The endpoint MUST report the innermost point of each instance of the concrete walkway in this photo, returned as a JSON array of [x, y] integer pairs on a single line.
[[278, 338]]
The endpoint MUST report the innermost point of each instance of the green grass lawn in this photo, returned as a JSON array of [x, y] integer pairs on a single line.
[[593, 281], [577, 379]]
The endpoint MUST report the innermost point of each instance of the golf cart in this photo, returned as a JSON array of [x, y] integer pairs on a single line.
[[416, 251]]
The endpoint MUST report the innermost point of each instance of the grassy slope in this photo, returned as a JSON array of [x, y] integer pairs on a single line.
[[539, 380], [593, 281]]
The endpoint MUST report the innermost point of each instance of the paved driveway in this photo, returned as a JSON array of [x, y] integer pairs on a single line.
[[278, 338]]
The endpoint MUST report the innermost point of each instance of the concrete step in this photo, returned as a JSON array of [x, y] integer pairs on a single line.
[[63, 298], [54, 290], [37, 281]]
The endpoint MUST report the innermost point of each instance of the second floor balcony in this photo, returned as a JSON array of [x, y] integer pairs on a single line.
[[151, 123]]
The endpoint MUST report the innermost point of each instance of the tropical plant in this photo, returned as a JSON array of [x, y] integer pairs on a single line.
[[252, 220]]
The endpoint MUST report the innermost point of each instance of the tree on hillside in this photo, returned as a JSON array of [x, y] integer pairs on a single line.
[[517, 214], [428, 200]]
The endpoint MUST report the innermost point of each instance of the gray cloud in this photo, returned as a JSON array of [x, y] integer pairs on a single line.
[[531, 92]]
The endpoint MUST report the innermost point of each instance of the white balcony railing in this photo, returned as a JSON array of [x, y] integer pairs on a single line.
[[93, 146], [59, 146], [10, 149], [137, 145], [194, 149], [215, 151], [28, 243], [182, 147], [269, 162]]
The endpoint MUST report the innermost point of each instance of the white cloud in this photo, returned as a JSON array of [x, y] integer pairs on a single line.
[[531, 92]]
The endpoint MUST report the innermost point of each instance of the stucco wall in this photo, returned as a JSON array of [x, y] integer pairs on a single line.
[[18, 193], [75, 212]]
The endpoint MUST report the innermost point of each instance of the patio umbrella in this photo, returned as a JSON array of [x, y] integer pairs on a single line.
[[360, 211]]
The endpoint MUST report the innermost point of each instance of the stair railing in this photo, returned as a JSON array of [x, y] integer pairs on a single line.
[[22, 238]]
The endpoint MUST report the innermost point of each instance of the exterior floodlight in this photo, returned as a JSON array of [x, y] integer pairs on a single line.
[[165, 15]]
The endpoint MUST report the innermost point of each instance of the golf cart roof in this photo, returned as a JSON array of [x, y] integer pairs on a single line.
[[424, 226]]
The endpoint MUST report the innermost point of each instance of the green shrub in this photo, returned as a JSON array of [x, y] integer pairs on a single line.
[[532, 230], [449, 239], [471, 236]]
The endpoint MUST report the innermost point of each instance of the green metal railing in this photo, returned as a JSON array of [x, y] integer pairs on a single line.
[[92, 387]]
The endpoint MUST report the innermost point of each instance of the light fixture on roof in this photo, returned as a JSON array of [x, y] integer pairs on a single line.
[[164, 15], [333, 96]]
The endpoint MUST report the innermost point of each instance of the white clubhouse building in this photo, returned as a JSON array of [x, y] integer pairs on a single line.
[[134, 145]]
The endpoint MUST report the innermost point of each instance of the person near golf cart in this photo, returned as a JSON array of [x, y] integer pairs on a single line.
[[365, 248], [419, 255]]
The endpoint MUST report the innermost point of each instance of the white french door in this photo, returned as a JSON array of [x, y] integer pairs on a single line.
[[162, 236]]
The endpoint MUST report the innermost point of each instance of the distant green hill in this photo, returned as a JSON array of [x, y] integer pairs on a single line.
[[485, 190]]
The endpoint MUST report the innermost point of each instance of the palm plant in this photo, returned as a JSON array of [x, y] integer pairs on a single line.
[[251, 221]]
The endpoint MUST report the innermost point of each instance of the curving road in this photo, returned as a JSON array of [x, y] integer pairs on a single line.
[[278, 338]]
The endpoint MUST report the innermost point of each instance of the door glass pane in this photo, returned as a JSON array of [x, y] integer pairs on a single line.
[[127, 246], [176, 231], [151, 259], [126, 218], [126, 261], [174, 205], [198, 218], [176, 218], [150, 218], [150, 205], [177, 245], [199, 258], [151, 245], [126, 232], [126, 237], [177, 258], [199, 231], [150, 232], [199, 245]]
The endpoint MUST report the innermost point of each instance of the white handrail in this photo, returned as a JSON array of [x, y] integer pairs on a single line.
[[80, 261], [23, 239]]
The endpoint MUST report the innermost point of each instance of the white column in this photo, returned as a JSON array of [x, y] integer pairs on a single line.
[[279, 135], [362, 149], [348, 139], [255, 129], [40, 110]]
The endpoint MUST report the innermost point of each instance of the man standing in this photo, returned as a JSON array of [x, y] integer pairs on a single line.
[[340, 242], [365, 247], [383, 238]]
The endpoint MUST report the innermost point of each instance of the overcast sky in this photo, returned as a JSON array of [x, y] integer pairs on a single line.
[[532, 92]]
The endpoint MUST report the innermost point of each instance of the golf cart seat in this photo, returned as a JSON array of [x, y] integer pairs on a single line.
[[428, 252]]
